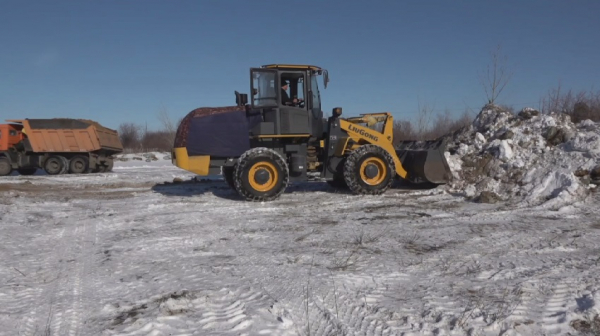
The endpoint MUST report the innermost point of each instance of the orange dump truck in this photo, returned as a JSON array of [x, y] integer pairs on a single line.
[[58, 146]]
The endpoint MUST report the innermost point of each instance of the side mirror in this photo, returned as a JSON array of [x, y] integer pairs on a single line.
[[241, 99]]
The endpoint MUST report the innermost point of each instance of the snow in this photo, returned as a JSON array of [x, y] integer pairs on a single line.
[[528, 159], [136, 252]]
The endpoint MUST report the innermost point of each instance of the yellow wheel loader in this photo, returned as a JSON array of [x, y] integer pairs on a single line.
[[281, 136]]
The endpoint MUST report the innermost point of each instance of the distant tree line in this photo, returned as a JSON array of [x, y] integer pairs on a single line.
[[137, 138]]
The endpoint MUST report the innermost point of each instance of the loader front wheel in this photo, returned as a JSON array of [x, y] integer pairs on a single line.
[[369, 170], [261, 175]]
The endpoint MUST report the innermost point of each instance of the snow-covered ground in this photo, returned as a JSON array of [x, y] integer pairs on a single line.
[[124, 253]]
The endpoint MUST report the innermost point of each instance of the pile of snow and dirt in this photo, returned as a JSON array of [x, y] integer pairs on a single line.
[[527, 158]]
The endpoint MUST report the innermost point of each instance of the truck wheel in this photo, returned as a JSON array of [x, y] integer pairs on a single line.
[[79, 165], [5, 166], [55, 165], [109, 165], [27, 171], [369, 170], [261, 175], [65, 166]]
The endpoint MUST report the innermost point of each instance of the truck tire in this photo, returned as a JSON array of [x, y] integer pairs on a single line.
[[79, 165], [5, 166], [369, 170], [261, 175], [27, 171], [109, 165], [55, 165], [65, 164]]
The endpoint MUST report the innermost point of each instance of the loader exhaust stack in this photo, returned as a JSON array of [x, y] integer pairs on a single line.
[[424, 161]]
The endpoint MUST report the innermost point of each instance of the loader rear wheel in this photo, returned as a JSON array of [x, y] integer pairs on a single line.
[[55, 165], [79, 165], [27, 171], [261, 175], [5, 167], [369, 170]]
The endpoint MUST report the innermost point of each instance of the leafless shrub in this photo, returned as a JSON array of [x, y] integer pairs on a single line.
[[129, 133], [344, 262], [443, 124], [155, 140], [578, 105], [489, 306], [169, 127], [365, 238], [138, 138]]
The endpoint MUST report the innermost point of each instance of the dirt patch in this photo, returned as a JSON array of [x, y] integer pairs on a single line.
[[420, 248], [82, 191], [130, 314], [587, 327]]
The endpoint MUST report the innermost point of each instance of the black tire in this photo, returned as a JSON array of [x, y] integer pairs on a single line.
[[65, 164], [109, 165], [369, 170], [228, 176], [27, 171], [270, 165], [79, 165], [55, 165], [5, 166]]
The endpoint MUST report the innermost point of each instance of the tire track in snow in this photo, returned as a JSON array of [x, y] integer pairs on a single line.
[[227, 311], [42, 317], [58, 307]]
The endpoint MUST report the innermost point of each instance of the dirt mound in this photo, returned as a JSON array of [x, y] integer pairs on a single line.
[[527, 158]]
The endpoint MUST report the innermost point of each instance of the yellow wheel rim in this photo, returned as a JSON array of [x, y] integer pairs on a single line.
[[262, 168], [381, 171]]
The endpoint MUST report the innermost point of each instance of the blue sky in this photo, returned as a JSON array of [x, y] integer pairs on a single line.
[[125, 61]]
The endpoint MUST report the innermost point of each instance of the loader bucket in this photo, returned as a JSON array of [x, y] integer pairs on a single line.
[[424, 161]]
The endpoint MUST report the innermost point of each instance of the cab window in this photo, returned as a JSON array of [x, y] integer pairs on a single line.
[[295, 89]]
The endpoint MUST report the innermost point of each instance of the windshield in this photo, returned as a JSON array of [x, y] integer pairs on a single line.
[[263, 83]]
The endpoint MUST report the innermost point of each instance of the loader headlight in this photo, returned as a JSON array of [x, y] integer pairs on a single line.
[[337, 111]]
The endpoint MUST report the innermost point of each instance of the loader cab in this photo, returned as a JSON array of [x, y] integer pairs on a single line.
[[10, 135], [303, 117]]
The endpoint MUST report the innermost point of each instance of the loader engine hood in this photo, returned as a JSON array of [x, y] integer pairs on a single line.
[[216, 131]]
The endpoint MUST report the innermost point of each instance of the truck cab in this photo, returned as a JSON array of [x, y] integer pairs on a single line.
[[10, 135]]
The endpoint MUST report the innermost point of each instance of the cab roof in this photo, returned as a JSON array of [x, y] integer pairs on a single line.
[[293, 66]]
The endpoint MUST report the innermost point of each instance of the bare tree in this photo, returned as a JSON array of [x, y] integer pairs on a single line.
[[497, 76], [424, 120], [169, 127], [129, 133]]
